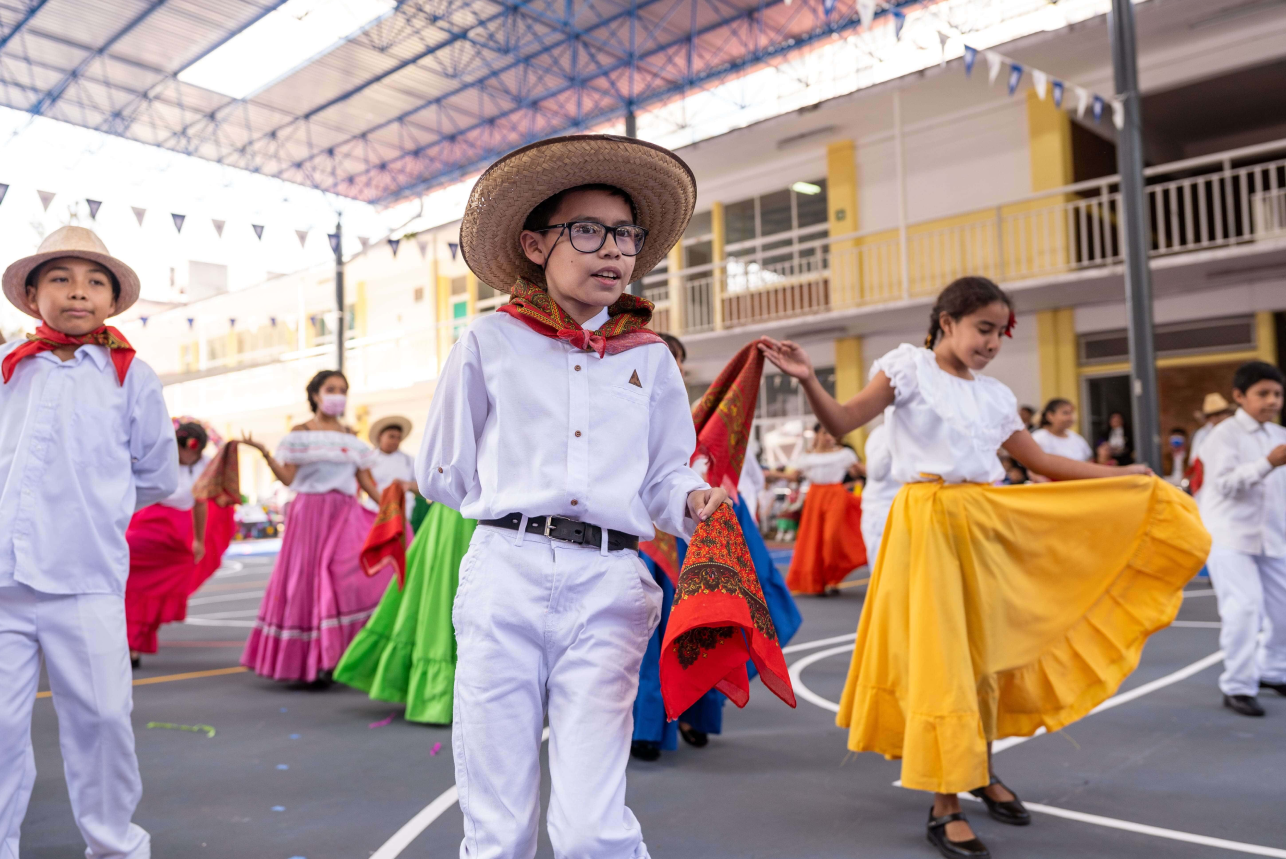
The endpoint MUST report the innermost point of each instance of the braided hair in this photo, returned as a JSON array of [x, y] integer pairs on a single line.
[[963, 296]]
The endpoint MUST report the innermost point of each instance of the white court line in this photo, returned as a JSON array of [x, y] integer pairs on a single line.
[[229, 568], [202, 621], [225, 598], [224, 615], [1208, 592], [431, 812], [1197, 624], [821, 642]]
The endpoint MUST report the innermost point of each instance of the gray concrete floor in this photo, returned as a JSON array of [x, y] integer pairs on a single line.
[[293, 772]]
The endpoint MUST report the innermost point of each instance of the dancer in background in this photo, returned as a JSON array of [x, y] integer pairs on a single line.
[[878, 493], [174, 545], [318, 597], [1056, 435], [1214, 411], [389, 462], [85, 441], [1243, 503], [829, 544], [664, 556], [986, 616]]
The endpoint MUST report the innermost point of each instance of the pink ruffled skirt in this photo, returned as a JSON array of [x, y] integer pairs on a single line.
[[318, 596]]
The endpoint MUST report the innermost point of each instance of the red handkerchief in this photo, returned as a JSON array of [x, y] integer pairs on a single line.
[[719, 620], [221, 480], [386, 543]]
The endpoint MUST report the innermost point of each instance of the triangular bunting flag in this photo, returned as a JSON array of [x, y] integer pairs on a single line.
[[258, 228], [453, 247], [1082, 102], [232, 322], [993, 67], [191, 322], [866, 11], [303, 236], [393, 243], [178, 221], [828, 6], [943, 38], [1118, 114], [218, 226], [46, 197], [1015, 76], [970, 57], [1039, 82], [138, 214], [1058, 94], [899, 21], [364, 241], [272, 320], [334, 242], [93, 207], [423, 245], [4, 189], [143, 319], [1098, 108]]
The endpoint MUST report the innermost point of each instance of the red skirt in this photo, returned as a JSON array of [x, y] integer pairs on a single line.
[[829, 545], [162, 572]]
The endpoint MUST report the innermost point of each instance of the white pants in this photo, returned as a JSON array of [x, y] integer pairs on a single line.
[[1251, 590], [87, 657], [548, 628]]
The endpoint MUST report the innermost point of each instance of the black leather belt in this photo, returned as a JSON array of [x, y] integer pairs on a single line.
[[567, 530]]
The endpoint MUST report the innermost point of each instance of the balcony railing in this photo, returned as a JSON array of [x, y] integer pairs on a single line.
[[1219, 201]]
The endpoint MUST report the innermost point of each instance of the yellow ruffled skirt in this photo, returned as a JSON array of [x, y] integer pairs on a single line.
[[994, 611]]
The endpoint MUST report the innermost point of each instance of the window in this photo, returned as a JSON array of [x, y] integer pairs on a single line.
[[459, 285], [773, 236], [1228, 334], [419, 294]]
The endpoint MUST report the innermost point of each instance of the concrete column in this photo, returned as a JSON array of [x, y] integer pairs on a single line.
[[1056, 345], [717, 255], [678, 294], [850, 378], [1049, 136], [842, 218], [1266, 336]]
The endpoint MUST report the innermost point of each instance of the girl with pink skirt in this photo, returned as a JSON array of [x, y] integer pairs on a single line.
[[318, 596]]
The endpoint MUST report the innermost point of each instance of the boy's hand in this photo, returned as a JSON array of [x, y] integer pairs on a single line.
[[198, 549], [703, 502], [1277, 456]]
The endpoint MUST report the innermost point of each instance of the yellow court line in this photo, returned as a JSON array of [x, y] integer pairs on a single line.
[[856, 583], [166, 678]]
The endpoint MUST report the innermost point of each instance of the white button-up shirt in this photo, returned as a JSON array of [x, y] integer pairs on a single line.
[[1243, 498], [523, 423], [79, 453]]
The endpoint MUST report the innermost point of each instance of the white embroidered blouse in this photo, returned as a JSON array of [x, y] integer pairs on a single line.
[[328, 460], [944, 426]]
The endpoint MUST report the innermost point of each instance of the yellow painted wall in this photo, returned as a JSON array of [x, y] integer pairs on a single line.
[[718, 254], [443, 318], [1266, 337], [1049, 137], [1056, 347], [850, 378], [842, 218], [359, 310], [674, 321]]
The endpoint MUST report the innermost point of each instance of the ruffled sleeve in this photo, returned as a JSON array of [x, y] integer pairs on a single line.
[[900, 366], [301, 447]]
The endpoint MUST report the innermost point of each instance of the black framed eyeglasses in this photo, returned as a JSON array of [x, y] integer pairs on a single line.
[[588, 237]]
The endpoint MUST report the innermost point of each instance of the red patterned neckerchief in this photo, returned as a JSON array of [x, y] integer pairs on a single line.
[[47, 339], [221, 480], [626, 325], [724, 417]]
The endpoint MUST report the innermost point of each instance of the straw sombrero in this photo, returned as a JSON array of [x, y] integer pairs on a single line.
[[662, 187], [1214, 404], [404, 424], [69, 241]]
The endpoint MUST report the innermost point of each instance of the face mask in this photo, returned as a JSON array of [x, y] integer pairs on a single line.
[[1176, 441], [333, 404]]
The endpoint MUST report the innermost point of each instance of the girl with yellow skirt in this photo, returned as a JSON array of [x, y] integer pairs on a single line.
[[986, 616]]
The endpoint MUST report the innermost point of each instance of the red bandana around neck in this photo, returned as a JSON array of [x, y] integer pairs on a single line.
[[47, 339], [626, 326]]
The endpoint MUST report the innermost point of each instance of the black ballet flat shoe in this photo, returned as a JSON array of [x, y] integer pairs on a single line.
[[136, 662], [937, 835], [645, 750], [1243, 705], [1012, 812], [693, 737], [1279, 688]]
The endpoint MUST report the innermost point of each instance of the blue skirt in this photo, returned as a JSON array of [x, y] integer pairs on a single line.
[[707, 713]]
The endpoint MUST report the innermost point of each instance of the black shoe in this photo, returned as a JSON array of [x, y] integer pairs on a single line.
[[1012, 812], [937, 835], [135, 662], [1279, 688], [1243, 705], [645, 750], [693, 737]]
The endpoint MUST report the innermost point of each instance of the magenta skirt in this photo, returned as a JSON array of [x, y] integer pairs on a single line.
[[318, 596]]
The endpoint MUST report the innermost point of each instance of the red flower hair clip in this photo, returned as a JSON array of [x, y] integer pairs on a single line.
[[1009, 326]]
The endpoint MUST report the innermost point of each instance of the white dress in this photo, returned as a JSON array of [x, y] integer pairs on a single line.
[[182, 498], [387, 467], [879, 491], [328, 460], [942, 426], [1072, 445], [829, 467]]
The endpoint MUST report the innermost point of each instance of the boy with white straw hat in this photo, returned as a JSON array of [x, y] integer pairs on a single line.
[[390, 463], [561, 423], [85, 441]]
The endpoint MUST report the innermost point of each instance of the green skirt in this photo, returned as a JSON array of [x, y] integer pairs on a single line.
[[406, 653]]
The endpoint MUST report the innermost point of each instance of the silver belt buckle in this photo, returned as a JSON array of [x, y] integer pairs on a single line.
[[549, 526]]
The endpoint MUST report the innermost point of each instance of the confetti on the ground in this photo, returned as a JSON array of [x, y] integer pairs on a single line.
[[196, 729], [437, 747], [294, 736], [382, 722], [279, 808], [283, 766], [283, 709]]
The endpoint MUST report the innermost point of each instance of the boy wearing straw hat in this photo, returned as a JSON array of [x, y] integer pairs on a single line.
[[390, 463], [561, 423], [85, 441]]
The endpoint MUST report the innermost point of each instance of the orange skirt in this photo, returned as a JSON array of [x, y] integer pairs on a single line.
[[829, 545]]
